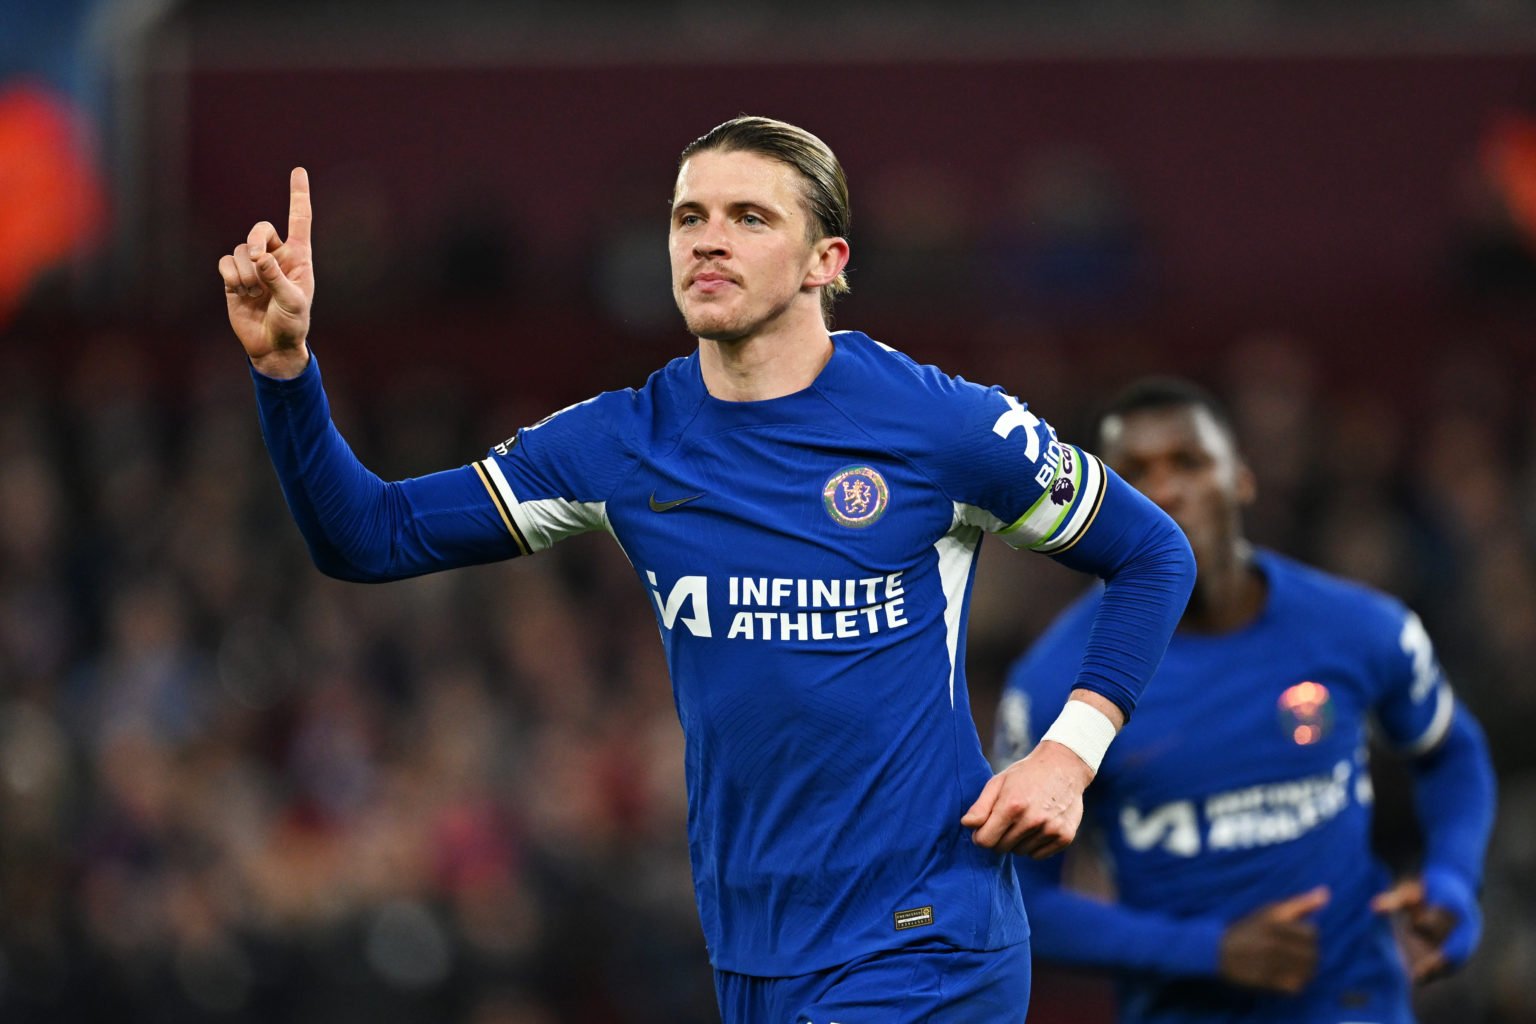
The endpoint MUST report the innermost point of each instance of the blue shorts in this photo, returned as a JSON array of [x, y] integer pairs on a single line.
[[912, 985]]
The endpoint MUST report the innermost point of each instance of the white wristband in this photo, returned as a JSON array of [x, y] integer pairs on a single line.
[[1084, 730]]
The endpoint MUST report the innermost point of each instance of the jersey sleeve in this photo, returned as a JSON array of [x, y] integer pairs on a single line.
[[552, 480], [1415, 704], [1454, 787], [1071, 928], [1008, 473], [357, 526]]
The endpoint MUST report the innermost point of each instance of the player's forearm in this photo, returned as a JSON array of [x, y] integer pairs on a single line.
[[358, 527], [334, 500], [1149, 572], [1070, 928], [1454, 793]]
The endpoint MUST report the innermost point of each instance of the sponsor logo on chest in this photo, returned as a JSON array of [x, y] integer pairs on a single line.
[[1245, 818], [783, 608]]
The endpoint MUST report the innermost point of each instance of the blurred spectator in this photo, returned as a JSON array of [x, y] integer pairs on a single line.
[[914, 243], [622, 273], [1068, 243]]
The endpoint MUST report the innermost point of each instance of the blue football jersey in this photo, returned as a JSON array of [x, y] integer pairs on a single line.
[[809, 560], [1243, 779]]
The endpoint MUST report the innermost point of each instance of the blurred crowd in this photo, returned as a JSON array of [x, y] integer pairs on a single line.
[[231, 789], [234, 790]]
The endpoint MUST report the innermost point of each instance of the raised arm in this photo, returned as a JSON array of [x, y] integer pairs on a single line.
[[357, 526]]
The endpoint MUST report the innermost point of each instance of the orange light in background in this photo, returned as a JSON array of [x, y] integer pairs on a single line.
[[52, 203], [1509, 159]]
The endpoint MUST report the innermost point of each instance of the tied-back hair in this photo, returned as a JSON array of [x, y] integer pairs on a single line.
[[1164, 392], [826, 186]]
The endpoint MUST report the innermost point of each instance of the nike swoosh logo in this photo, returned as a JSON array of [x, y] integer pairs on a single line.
[[664, 506]]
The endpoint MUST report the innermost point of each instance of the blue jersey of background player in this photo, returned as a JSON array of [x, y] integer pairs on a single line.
[[803, 511], [1236, 807]]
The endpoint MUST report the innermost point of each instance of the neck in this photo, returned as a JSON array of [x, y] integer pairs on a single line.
[[1229, 591], [763, 366]]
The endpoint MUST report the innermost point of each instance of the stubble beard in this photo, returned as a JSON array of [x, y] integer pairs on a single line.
[[711, 320], [716, 328], [713, 324]]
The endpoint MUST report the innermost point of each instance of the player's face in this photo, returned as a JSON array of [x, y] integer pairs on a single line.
[[1181, 458], [741, 247]]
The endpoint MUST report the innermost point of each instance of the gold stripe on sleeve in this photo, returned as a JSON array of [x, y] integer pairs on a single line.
[[501, 508]]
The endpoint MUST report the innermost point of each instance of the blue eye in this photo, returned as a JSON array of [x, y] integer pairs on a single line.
[[751, 219]]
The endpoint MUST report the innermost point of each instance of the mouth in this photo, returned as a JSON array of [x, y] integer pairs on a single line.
[[711, 281]]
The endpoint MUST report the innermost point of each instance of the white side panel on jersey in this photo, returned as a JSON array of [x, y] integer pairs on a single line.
[[975, 515], [956, 549], [547, 521], [554, 519]]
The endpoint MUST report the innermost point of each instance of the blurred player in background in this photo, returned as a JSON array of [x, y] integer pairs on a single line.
[[804, 510], [1236, 807]]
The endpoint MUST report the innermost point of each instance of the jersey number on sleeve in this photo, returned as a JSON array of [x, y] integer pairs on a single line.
[[1018, 416]]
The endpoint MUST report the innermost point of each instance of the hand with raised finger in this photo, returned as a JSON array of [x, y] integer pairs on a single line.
[[269, 287], [1274, 948]]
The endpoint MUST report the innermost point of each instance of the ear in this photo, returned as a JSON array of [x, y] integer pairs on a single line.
[[1247, 491], [828, 258]]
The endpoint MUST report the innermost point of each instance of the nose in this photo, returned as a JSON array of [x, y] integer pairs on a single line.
[[711, 243], [1161, 485]]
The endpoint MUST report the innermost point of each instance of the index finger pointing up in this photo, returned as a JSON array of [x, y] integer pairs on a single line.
[[299, 213]]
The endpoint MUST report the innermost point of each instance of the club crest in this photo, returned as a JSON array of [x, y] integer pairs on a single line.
[[855, 496], [1306, 712]]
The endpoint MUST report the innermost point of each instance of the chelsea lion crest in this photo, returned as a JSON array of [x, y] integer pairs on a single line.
[[855, 496]]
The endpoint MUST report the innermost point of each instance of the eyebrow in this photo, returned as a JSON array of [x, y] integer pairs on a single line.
[[739, 206]]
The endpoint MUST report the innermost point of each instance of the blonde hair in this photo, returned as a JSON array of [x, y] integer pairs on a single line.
[[826, 186]]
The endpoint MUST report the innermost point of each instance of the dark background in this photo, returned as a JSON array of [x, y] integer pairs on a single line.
[[234, 790]]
